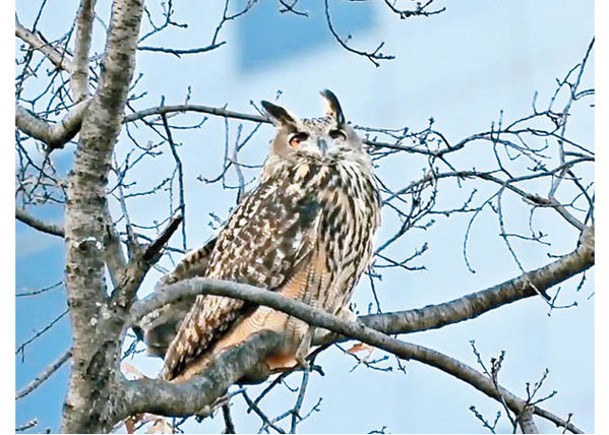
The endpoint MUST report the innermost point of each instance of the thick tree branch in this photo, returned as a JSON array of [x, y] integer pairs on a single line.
[[357, 331], [526, 422], [54, 135], [430, 317], [79, 79], [95, 330], [475, 304], [23, 216], [198, 395]]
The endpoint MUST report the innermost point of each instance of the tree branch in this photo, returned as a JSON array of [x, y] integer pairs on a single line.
[[37, 43], [475, 304], [79, 79], [23, 216], [526, 422], [352, 330], [430, 317], [95, 330], [114, 255], [54, 135], [46, 374], [133, 274], [198, 395], [217, 111], [179, 52], [30, 424]]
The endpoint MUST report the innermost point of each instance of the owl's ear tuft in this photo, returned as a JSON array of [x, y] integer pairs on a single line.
[[278, 115], [332, 107]]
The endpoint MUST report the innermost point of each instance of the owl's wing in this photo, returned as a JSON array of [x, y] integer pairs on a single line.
[[195, 263], [266, 240], [158, 328]]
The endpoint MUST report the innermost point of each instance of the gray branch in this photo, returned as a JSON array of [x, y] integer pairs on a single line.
[[54, 135], [23, 216], [526, 422], [475, 304], [46, 374], [198, 395], [37, 43], [182, 108], [187, 402], [430, 317], [581, 259], [96, 326], [79, 79], [114, 256]]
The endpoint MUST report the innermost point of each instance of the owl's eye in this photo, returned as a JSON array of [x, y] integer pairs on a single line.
[[338, 134], [295, 138]]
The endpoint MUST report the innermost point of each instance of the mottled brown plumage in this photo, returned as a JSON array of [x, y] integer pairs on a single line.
[[306, 231], [158, 329]]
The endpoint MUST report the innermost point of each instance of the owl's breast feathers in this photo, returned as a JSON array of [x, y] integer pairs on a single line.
[[306, 231]]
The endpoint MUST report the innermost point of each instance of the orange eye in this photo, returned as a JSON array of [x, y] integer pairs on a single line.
[[296, 138]]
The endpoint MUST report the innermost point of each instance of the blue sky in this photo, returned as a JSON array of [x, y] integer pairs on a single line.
[[461, 67]]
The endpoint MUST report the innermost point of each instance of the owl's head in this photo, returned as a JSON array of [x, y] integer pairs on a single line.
[[320, 136]]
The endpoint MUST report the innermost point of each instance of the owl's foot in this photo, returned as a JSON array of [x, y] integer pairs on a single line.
[[304, 348]]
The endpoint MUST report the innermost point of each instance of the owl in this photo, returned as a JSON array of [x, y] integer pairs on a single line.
[[306, 232]]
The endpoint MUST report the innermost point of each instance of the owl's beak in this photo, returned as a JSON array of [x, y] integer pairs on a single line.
[[323, 146]]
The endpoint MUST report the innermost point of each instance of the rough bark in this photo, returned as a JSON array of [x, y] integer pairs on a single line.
[[199, 395], [94, 323]]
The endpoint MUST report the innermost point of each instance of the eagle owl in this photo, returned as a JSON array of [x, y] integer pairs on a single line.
[[306, 231]]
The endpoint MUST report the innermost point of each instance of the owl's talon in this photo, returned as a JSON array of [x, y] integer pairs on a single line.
[[316, 368], [303, 364]]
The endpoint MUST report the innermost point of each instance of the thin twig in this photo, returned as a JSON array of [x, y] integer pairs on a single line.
[[39, 380]]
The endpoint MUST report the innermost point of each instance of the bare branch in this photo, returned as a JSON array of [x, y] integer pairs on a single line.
[[54, 135], [475, 304], [526, 422], [229, 425], [353, 330], [133, 274], [430, 317], [182, 108], [179, 52], [419, 11], [37, 43], [44, 375], [290, 8], [375, 56], [198, 395], [79, 78], [23, 216], [37, 334], [114, 256], [42, 290], [30, 424]]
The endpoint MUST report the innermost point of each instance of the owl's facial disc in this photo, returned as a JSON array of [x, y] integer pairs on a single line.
[[318, 136]]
